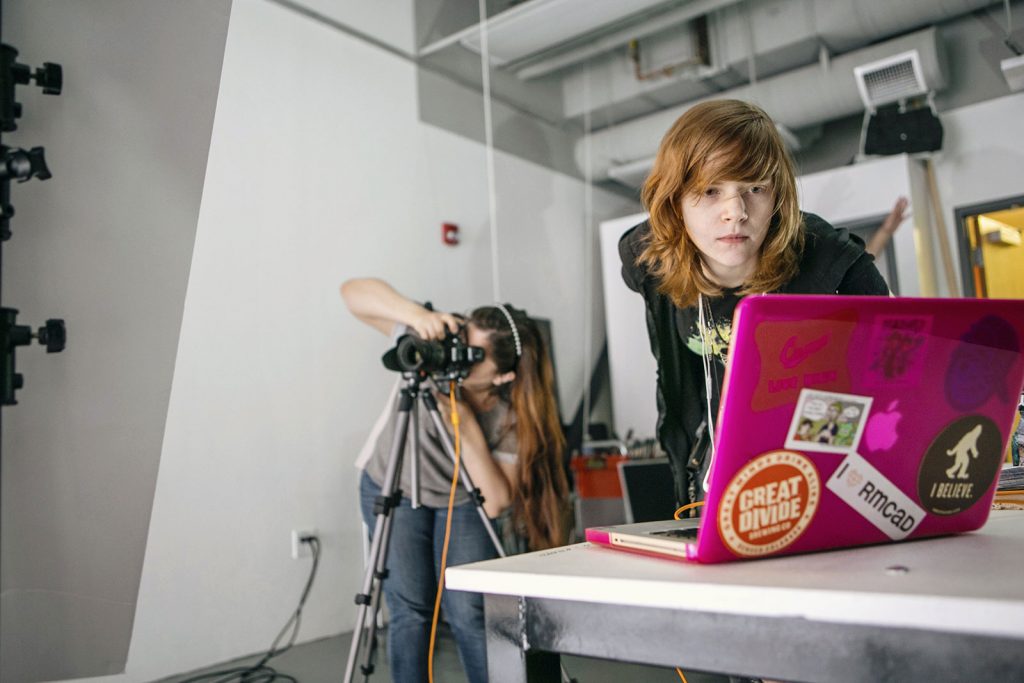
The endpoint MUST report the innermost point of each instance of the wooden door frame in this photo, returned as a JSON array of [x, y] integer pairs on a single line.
[[960, 214]]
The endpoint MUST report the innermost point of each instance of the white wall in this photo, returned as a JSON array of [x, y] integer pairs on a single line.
[[389, 21], [867, 191], [631, 365], [105, 244], [982, 159], [318, 171]]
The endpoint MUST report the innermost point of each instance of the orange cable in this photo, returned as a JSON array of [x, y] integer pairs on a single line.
[[447, 533], [688, 506]]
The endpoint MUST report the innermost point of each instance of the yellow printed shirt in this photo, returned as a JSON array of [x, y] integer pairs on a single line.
[[717, 331]]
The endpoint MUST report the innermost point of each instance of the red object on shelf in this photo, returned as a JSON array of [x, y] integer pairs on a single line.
[[450, 233], [597, 476]]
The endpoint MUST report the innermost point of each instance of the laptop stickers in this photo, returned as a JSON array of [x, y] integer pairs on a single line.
[[960, 465], [769, 503], [881, 502], [799, 354], [980, 364], [848, 421], [898, 349], [882, 429], [833, 423]]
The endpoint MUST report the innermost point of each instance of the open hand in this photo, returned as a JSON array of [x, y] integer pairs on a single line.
[[895, 217]]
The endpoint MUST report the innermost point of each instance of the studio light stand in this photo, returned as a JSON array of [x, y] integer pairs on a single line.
[[21, 165]]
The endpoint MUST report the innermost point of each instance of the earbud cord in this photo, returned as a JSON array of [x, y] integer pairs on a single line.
[[705, 343]]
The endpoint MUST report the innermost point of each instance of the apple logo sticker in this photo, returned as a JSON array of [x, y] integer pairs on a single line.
[[880, 433]]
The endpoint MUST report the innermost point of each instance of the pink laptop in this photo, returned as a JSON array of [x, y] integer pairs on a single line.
[[849, 421]]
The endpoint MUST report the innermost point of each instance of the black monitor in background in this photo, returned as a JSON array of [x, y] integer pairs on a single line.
[[544, 325], [647, 490]]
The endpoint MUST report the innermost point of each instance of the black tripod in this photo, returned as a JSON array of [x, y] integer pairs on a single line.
[[390, 496]]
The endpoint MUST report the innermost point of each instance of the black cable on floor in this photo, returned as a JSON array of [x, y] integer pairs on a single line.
[[260, 672]]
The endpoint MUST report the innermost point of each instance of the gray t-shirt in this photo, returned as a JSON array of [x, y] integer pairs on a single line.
[[436, 467]]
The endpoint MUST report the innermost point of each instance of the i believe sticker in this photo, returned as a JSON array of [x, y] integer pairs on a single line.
[[769, 503], [960, 465]]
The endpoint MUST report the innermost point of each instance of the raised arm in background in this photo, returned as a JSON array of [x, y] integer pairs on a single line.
[[881, 238]]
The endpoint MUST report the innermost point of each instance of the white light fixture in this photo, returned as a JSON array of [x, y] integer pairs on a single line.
[[532, 27], [1013, 72]]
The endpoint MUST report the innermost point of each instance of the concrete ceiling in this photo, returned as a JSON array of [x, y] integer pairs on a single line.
[[588, 65]]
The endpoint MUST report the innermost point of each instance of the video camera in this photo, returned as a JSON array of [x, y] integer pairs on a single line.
[[449, 359]]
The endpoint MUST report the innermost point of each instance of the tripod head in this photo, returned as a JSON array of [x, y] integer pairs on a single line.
[[53, 336], [50, 77], [21, 165]]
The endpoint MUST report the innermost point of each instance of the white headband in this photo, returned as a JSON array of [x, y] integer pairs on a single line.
[[515, 332]]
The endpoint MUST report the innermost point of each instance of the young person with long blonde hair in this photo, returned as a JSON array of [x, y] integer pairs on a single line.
[[724, 223], [512, 446]]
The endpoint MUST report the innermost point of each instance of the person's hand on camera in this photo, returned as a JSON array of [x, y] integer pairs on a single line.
[[379, 305], [434, 324]]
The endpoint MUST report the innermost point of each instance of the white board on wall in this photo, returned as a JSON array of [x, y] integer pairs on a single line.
[[632, 369]]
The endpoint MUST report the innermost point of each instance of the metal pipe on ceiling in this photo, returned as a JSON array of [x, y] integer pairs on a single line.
[[795, 99], [801, 97]]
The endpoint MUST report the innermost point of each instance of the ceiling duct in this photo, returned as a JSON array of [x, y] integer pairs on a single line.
[[570, 54], [890, 80], [540, 25], [795, 99]]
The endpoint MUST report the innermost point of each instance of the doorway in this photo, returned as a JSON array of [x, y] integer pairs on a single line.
[[991, 241]]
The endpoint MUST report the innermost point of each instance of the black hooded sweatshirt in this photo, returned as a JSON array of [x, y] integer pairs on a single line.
[[833, 261]]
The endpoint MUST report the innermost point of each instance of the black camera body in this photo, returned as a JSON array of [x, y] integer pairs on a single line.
[[449, 359]]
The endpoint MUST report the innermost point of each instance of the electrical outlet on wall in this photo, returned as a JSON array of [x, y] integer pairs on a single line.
[[300, 549]]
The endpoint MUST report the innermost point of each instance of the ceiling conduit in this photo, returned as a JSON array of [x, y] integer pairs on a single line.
[[799, 98], [796, 99]]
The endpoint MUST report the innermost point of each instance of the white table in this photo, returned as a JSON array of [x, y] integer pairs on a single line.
[[949, 609]]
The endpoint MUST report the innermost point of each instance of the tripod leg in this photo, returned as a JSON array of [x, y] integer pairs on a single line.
[[388, 499], [376, 598], [414, 469], [466, 480]]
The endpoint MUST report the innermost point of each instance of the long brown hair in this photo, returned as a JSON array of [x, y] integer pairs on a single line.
[[714, 141], [540, 496]]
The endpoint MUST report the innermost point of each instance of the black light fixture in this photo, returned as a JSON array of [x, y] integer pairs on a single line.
[[899, 112]]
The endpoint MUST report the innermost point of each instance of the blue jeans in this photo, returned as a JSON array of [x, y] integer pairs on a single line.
[[413, 563]]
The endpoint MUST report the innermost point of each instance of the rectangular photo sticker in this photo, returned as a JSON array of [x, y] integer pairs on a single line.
[[898, 350], [828, 422]]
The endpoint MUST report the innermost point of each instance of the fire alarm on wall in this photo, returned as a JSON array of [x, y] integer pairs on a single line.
[[450, 234]]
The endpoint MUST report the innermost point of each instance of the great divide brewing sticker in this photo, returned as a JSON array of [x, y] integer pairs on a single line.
[[877, 499], [769, 503]]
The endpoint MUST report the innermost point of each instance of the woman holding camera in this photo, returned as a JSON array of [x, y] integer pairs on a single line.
[[724, 223], [511, 445]]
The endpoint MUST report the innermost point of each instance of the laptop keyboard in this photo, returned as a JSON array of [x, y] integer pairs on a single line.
[[687, 534]]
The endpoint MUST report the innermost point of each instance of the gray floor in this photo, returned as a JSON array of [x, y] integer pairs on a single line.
[[323, 661]]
